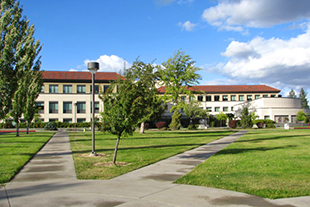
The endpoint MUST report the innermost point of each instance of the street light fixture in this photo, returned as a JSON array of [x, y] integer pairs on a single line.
[[93, 67]]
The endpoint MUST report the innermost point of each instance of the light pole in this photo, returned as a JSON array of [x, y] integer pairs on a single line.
[[93, 67]]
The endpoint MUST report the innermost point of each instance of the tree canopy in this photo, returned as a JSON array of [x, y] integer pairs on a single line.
[[303, 98]]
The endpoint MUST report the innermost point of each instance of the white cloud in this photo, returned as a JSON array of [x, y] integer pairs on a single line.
[[73, 70], [229, 14], [188, 26], [111, 63], [277, 62]]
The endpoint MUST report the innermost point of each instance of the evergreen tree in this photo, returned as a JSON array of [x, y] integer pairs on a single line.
[[18, 52], [303, 98], [292, 94], [246, 117], [175, 122]]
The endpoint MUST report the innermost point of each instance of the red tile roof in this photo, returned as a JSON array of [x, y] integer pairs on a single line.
[[78, 76], [230, 89]]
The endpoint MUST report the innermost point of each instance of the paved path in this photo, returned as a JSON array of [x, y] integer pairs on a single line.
[[49, 180]]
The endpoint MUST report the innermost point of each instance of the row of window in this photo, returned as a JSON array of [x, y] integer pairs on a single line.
[[218, 109], [67, 107], [225, 97], [53, 88], [78, 120]]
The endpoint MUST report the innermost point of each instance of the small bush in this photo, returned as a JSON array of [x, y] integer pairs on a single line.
[[161, 125], [50, 126], [192, 127], [260, 124], [146, 125], [233, 124]]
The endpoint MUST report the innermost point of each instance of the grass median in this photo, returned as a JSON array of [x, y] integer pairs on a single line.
[[267, 163], [134, 152], [15, 152]]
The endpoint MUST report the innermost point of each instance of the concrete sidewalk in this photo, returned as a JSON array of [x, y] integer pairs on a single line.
[[49, 180]]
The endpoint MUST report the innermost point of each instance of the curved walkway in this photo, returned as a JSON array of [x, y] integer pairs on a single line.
[[49, 180]]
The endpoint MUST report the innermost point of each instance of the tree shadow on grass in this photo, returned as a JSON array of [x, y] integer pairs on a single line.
[[272, 138], [245, 150]]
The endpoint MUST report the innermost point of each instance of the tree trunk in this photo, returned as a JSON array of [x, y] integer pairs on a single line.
[[142, 128], [115, 150], [27, 130], [17, 129]]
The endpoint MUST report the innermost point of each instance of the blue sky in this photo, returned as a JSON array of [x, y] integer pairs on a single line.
[[233, 41]]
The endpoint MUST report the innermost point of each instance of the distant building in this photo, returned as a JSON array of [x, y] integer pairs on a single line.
[[66, 96]]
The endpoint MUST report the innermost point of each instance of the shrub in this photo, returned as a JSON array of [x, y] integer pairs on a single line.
[[192, 127], [161, 125], [233, 124], [50, 126], [176, 118]]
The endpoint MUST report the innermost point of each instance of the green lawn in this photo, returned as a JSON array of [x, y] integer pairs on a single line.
[[266, 163], [15, 152], [134, 152]]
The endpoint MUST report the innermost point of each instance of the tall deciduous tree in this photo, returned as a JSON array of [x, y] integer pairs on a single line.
[[18, 56], [177, 74], [129, 105], [292, 94], [303, 98], [145, 77], [34, 82]]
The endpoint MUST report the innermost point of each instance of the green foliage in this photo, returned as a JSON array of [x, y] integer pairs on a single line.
[[192, 127], [221, 117], [175, 123], [178, 73], [303, 98], [192, 110], [246, 118], [301, 115], [18, 60], [50, 126]]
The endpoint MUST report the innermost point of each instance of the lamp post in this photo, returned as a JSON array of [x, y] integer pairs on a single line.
[[93, 67]]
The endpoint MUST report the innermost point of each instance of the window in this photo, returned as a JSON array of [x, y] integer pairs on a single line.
[[216, 98], [53, 107], [96, 89], [67, 120], [96, 107], [232, 108], [225, 97], [273, 96], [81, 89], [81, 120], [249, 97], [67, 107], [81, 106], [53, 120], [192, 98], [265, 96], [208, 98], [209, 109], [53, 89], [225, 108], [233, 98], [257, 96], [200, 98], [40, 107], [183, 98], [267, 117], [241, 97], [106, 88], [217, 109], [42, 89], [67, 89]]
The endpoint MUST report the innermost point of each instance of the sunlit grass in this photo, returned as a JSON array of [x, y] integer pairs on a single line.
[[15, 152], [134, 152], [266, 163]]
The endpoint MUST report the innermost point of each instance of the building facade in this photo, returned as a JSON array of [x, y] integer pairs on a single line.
[[66, 96]]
